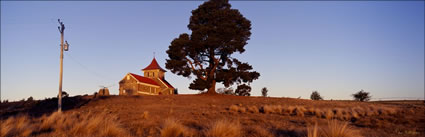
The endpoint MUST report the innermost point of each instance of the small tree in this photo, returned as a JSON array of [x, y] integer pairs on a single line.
[[64, 94], [30, 99], [361, 96], [243, 90], [264, 92], [315, 96]]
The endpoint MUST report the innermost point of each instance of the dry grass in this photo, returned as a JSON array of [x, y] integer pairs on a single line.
[[242, 109], [290, 109], [19, 126], [59, 124], [312, 131], [253, 109], [334, 128], [337, 129], [234, 108], [267, 109], [329, 114], [257, 131], [195, 115], [173, 128], [145, 115], [319, 113], [299, 111], [224, 128]]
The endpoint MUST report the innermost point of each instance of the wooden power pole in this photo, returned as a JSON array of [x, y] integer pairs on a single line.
[[63, 47]]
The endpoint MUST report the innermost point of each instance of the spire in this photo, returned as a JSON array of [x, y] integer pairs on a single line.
[[154, 65]]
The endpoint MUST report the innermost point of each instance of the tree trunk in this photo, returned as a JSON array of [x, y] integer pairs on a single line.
[[211, 90]]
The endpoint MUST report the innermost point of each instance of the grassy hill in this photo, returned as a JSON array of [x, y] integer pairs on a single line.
[[204, 115]]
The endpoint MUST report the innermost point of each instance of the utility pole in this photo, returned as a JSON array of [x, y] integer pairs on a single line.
[[61, 29]]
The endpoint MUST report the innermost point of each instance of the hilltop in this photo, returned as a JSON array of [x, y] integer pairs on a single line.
[[200, 115]]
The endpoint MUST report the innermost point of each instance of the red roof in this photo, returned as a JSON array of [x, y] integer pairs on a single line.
[[153, 65], [166, 82], [144, 79]]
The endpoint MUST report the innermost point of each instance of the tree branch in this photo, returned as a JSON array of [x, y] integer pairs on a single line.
[[194, 70]]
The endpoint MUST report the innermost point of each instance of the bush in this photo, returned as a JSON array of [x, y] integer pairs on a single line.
[[253, 109], [243, 90], [224, 128], [361, 96], [333, 129], [173, 128], [64, 94], [264, 92], [315, 96], [234, 108], [338, 129], [30, 99]]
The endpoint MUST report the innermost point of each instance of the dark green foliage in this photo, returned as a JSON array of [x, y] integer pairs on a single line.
[[64, 94], [217, 32], [264, 92], [361, 96], [243, 90], [30, 98], [315, 96]]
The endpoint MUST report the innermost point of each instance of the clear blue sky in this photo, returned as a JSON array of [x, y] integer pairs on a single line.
[[337, 48]]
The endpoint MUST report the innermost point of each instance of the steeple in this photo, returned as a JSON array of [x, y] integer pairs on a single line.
[[154, 65], [153, 70]]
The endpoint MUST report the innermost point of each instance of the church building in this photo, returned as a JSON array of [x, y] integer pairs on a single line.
[[152, 83]]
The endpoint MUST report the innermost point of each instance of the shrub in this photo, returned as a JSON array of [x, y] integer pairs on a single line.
[[270, 109], [173, 128], [315, 96], [290, 110], [242, 109], [264, 92], [319, 113], [30, 99], [361, 96], [329, 114], [337, 129], [234, 108], [224, 128], [243, 90], [253, 109], [333, 129], [299, 111]]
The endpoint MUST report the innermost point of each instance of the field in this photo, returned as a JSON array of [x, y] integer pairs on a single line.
[[206, 115]]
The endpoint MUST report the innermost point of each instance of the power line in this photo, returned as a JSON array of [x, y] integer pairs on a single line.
[[94, 73]]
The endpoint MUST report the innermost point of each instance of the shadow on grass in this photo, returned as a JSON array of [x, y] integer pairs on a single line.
[[287, 133], [38, 108]]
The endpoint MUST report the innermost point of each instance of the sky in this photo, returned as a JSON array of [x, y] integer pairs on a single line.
[[335, 48]]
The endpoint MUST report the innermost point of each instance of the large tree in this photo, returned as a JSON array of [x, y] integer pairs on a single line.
[[217, 32]]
